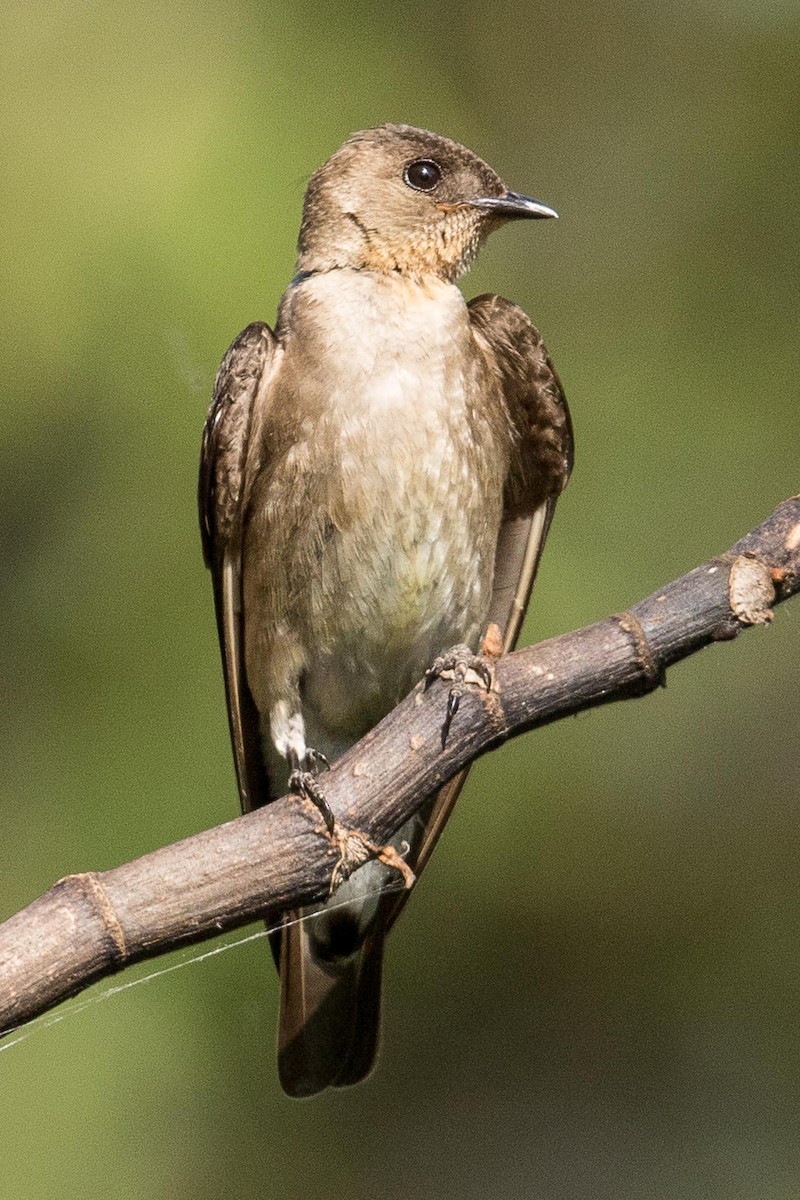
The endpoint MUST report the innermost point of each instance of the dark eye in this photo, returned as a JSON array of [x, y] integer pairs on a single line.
[[423, 175]]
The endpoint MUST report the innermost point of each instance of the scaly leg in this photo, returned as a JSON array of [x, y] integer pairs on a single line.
[[303, 775]]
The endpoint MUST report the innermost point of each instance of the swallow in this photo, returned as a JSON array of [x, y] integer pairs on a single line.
[[377, 480]]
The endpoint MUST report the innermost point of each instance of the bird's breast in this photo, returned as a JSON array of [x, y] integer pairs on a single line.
[[395, 482]]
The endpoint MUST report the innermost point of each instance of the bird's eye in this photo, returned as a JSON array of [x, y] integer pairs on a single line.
[[423, 175]]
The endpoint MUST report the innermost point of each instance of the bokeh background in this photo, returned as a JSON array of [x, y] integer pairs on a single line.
[[594, 992]]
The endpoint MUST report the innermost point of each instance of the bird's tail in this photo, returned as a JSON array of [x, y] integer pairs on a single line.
[[330, 1008], [330, 967]]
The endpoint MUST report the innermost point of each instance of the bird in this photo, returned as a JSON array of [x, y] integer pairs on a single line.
[[378, 476]]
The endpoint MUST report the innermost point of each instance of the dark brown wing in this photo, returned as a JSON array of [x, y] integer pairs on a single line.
[[540, 467], [245, 371], [542, 455]]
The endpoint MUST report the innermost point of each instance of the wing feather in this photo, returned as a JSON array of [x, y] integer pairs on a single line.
[[244, 374]]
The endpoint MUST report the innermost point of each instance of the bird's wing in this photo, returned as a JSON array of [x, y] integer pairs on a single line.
[[245, 373], [540, 467], [542, 452]]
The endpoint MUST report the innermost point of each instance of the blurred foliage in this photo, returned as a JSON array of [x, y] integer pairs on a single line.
[[594, 991]]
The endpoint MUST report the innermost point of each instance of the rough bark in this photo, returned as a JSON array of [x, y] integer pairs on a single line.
[[280, 857]]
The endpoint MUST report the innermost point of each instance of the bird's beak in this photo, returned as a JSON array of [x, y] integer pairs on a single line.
[[512, 206]]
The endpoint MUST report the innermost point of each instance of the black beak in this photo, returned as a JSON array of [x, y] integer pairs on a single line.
[[513, 206]]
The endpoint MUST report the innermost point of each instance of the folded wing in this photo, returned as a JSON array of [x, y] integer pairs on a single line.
[[244, 374]]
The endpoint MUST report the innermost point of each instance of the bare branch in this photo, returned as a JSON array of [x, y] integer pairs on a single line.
[[280, 857]]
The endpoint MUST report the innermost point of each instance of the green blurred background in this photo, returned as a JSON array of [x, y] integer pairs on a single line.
[[594, 992]]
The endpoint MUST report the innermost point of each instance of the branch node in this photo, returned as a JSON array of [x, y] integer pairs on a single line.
[[90, 885], [492, 649], [653, 671], [751, 590], [493, 705], [793, 538]]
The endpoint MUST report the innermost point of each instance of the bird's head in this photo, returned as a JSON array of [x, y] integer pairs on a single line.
[[399, 199]]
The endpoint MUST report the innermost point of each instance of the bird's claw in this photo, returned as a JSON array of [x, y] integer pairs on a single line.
[[465, 669], [303, 782], [316, 762], [453, 701]]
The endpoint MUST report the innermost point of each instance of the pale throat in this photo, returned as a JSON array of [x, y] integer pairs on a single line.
[[395, 355], [372, 327]]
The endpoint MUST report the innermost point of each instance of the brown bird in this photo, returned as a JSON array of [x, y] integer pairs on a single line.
[[378, 476]]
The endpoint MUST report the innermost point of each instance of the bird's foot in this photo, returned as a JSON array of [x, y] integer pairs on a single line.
[[466, 670], [303, 782], [355, 849]]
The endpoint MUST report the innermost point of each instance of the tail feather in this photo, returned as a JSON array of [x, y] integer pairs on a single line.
[[330, 1011]]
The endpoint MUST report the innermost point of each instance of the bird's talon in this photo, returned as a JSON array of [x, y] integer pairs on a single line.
[[453, 701], [486, 672], [464, 668], [303, 783], [316, 762], [435, 670]]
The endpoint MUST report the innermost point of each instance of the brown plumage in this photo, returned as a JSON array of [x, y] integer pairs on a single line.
[[377, 481]]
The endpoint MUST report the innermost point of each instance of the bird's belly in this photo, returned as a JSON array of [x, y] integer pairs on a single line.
[[394, 589]]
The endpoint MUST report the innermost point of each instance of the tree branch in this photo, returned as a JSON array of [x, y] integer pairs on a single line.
[[280, 857]]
